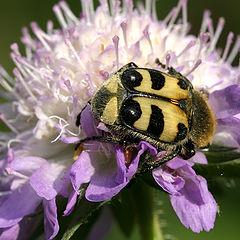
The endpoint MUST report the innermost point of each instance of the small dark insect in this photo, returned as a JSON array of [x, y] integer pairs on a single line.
[[160, 108]]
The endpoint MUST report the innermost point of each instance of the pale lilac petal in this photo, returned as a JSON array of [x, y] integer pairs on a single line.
[[104, 186], [194, 211], [26, 165], [146, 146], [71, 203], [48, 181], [107, 183], [167, 181], [50, 218], [88, 123], [82, 170], [199, 157], [21, 202], [109, 180], [177, 162], [10, 233], [225, 102], [70, 139], [230, 125]]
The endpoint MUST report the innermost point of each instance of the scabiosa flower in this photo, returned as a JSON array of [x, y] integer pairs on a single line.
[[59, 74]]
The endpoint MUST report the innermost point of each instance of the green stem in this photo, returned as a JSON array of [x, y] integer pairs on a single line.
[[148, 221]]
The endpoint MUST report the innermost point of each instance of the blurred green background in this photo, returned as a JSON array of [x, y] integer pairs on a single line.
[[16, 14]]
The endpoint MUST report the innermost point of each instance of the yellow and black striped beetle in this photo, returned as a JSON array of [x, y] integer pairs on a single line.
[[160, 108]]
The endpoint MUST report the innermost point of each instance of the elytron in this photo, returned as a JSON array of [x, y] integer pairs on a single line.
[[160, 108]]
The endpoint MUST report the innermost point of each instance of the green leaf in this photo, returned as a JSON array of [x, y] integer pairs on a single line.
[[123, 209], [230, 169], [143, 206], [219, 154], [84, 211]]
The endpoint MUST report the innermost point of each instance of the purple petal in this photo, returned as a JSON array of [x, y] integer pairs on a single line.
[[199, 157], [146, 146], [195, 206], [71, 203], [230, 125], [21, 202], [88, 123], [107, 182], [168, 182], [225, 102], [82, 170], [26, 165], [177, 162], [48, 181], [50, 218], [10, 233], [70, 139]]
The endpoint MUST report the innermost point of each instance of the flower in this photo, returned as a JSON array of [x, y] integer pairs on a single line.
[[189, 194], [60, 73]]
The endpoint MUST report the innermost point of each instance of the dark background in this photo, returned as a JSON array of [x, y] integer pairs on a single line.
[[16, 14]]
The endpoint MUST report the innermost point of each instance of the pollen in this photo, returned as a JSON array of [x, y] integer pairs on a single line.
[[78, 152]]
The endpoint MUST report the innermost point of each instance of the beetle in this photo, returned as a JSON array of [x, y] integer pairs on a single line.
[[142, 104]]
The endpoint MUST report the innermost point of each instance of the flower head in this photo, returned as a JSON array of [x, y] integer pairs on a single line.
[[59, 74]]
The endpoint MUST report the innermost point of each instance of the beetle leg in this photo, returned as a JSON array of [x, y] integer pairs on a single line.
[[99, 139], [159, 162], [171, 70]]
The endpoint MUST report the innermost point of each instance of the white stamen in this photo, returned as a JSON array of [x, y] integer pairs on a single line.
[[174, 16], [168, 57], [19, 76], [17, 174], [5, 193], [234, 51], [148, 6], [69, 44], [5, 84], [227, 47], [147, 36], [184, 17], [17, 60], [85, 9], [206, 16], [68, 13], [7, 123], [169, 16], [190, 44], [115, 40], [124, 30], [39, 35], [4, 73], [61, 132], [49, 28], [154, 11], [217, 35], [59, 16], [199, 61], [13, 141]]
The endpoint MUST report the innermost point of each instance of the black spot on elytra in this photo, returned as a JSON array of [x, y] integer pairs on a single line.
[[131, 79], [156, 123], [182, 132], [130, 112], [158, 80], [182, 84]]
